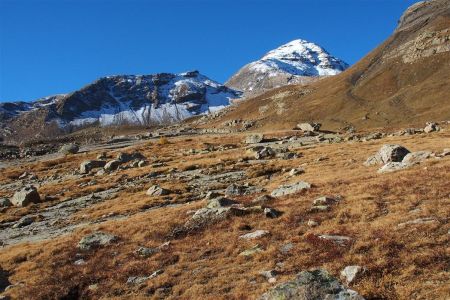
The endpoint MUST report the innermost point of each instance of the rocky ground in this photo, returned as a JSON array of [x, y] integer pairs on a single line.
[[189, 214]]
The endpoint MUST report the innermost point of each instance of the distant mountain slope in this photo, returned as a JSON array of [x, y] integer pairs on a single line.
[[406, 80], [136, 99], [298, 61]]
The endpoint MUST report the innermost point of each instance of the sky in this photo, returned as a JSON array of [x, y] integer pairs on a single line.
[[51, 47]]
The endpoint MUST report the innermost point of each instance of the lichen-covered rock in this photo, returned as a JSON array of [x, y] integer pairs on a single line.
[[311, 285]]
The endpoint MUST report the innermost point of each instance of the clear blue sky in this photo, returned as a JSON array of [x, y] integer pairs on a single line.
[[57, 46]]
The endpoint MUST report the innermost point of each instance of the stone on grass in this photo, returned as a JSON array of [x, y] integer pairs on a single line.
[[352, 273], [88, 165], [235, 190], [319, 208], [156, 190], [95, 240], [290, 189], [220, 202], [309, 285], [146, 252], [25, 196], [272, 213], [112, 165], [4, 202], [324, 200], [309, 126], [312, 223], [69, 149], [254, 235], [393, 166], [416, 157], [263, 199], [254, 138], [388, 153], [430, 127], [338, 239], [251, 251]]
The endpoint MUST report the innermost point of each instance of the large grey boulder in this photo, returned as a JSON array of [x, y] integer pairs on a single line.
[[69, 149], [87, 165], [311, 285], [95, 240], [387, 153], [290, 189], [309, 126], [25, 196]]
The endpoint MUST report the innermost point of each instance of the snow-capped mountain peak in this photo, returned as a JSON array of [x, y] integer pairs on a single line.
[[295, 62]]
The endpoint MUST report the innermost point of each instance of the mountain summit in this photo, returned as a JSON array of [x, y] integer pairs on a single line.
[[298, 61]]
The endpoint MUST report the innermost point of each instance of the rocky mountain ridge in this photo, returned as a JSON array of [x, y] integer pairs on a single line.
[[123, 99]]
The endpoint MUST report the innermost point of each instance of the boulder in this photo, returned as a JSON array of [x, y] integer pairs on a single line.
[[290, 189], [156, 190], [416, 157], [220, 202], [88, 165], [324, 200], [263, 200], [69, 149], [235, 190], [430, 127], [125, 157], [337, 239], [4, 202], [309, 126], [272, 213], [387, 153], [308, 285], [352, 273], [262, 152], [95, 240], [26, 196], [393, 166], [112, 165], [254, 138]]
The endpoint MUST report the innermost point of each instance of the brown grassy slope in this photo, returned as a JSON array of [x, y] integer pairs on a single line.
[[409, 262], [382, 86]]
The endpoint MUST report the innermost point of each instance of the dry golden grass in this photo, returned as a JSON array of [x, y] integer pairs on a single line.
[[409, 262]]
